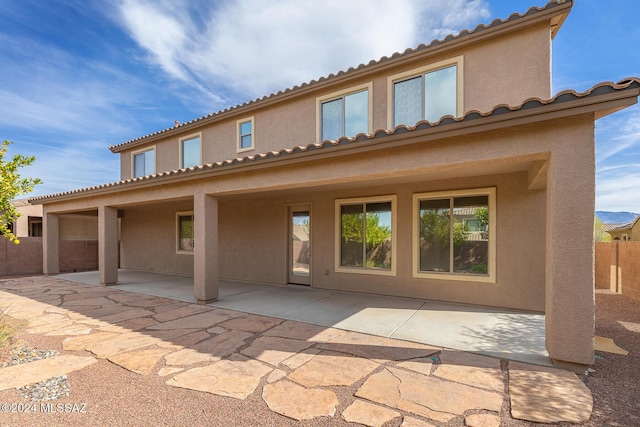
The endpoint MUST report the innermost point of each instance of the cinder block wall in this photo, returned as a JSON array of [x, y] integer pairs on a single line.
[[605, 261], [629, 262], [26, 258], [617, 267]]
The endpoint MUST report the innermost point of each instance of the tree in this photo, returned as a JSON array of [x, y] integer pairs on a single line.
[[11, 186], [599, 233]]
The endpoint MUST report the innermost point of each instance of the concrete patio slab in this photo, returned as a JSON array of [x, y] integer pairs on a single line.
[[493, 332]]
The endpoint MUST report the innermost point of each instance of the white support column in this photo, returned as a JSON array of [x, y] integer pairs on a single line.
[[50, 244], [205, 256], [108, 245]]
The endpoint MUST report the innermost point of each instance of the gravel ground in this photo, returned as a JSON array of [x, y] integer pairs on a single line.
[[107, 395]]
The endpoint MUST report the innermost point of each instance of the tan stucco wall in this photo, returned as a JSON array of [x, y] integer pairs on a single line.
[[253, 240], [22, 223], [496, 71], [148, 240], [78, 227]]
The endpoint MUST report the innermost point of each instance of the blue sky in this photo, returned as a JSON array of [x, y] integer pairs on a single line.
[[78, 76]]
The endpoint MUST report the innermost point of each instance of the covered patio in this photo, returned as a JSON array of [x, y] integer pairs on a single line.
[[496, 332]]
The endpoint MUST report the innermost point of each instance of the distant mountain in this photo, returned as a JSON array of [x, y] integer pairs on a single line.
[[616, 217]]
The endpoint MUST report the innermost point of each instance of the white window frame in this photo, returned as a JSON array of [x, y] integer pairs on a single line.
[[458, 61], [394, 232], [180, 148], [239, 135], [341, 94], [489, 278], [144, 150], [178, 237]]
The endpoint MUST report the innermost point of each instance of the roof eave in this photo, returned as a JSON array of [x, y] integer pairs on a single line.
[[423, 132]]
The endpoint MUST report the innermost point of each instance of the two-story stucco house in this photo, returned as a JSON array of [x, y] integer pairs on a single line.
[[412, 175]]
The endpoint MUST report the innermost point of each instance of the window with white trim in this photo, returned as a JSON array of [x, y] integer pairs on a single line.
[[190, 151], [365, 235], [184, 229], [428, 93], [144, 163], [344, 113], [454, 235], [246, 138]]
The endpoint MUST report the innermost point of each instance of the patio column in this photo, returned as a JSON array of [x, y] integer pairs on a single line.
[[108, 245], [205, 256], [50, 238], [569, 294]]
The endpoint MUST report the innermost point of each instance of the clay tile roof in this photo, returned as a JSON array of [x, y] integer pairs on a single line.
[[397, 55], [602, 89]]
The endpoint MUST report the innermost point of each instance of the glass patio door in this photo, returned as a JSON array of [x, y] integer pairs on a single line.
[[299, 247]]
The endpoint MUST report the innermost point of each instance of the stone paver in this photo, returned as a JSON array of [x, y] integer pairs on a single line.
[[202, 320], [380, 349], [332, 369], [294, 401], [141, 361], [73, 329], [547, 395], [96, 301], [301, 331], [274, 350], [482, 420], [209, 350], [40, 370], [301, 358], [414, 422], [121, 316], [421, 365], [84, 342], [426, 395], [471, 369], [168, 370], [235, 377], [180, 312], [368, 414], [295, 360], [251, 323], [121, 343]]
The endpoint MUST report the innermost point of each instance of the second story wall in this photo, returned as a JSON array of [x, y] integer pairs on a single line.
[[505, 69]]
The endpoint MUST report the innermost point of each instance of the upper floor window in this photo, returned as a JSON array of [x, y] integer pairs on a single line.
[[428, 93], [345, 113], [246, 138], [144, 163], [190, 151]]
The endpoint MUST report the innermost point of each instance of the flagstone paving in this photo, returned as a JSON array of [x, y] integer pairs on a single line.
[[298, 370]]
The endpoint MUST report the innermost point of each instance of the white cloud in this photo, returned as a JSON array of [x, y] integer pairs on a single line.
[[617, 160], [249, 48]]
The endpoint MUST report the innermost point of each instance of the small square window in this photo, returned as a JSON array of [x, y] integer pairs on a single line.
[[144, 163], [246, 139]]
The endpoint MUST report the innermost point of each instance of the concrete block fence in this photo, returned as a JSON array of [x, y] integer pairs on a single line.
[[26, 258]]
